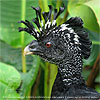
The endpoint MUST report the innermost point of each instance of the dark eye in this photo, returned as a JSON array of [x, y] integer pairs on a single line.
[[48, 44]]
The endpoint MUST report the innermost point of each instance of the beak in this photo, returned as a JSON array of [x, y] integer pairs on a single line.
[[27, 51]]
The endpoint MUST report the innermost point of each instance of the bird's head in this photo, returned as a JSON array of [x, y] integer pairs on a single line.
[[51, 48], [54, 43]]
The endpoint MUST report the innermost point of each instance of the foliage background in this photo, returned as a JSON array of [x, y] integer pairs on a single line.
[[22, 76]]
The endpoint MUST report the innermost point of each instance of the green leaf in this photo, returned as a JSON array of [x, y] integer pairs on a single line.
[[86, 13], [29, 78], [85, 73], [9, 76], [95, 6], [97, 87], [9, 82], [12, 12], [90, 61], [95, 51], [53, 73], [49, 78], [93, 36], [7, 93]]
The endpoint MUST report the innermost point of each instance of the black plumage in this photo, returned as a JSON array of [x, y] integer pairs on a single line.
[[64, 45]]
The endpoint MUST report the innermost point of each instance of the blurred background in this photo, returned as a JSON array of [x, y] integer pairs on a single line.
[[23, 77]]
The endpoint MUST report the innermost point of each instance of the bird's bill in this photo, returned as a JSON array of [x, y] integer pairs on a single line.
[[27, 51]]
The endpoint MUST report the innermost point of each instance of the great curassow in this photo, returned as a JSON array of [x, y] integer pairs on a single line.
[[64, 45]]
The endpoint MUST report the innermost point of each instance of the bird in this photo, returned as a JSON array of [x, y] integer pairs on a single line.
[[64, 45]]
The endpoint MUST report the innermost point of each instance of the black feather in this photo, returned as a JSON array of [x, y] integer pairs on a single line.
[[61, 9], [75, 21], [50, 11], [55, 14], [36, 21], [38, 11], [45, 15]]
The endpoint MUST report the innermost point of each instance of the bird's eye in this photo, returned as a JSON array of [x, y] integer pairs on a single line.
[[48, 44]]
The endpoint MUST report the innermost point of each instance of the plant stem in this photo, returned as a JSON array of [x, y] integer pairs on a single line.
[[96, 42], [58, 4], [65, 16], [45, 5], [23, 61], [23, 5]]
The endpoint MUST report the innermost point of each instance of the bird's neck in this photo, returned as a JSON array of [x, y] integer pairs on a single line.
[[70, 71]]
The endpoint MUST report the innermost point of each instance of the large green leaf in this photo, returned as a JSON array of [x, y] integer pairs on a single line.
[[12, 12], [53, 73], [9, 76], [95, 5], [9, 81], [29, 78], [86, 13], [7, 93], [49, 78]]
